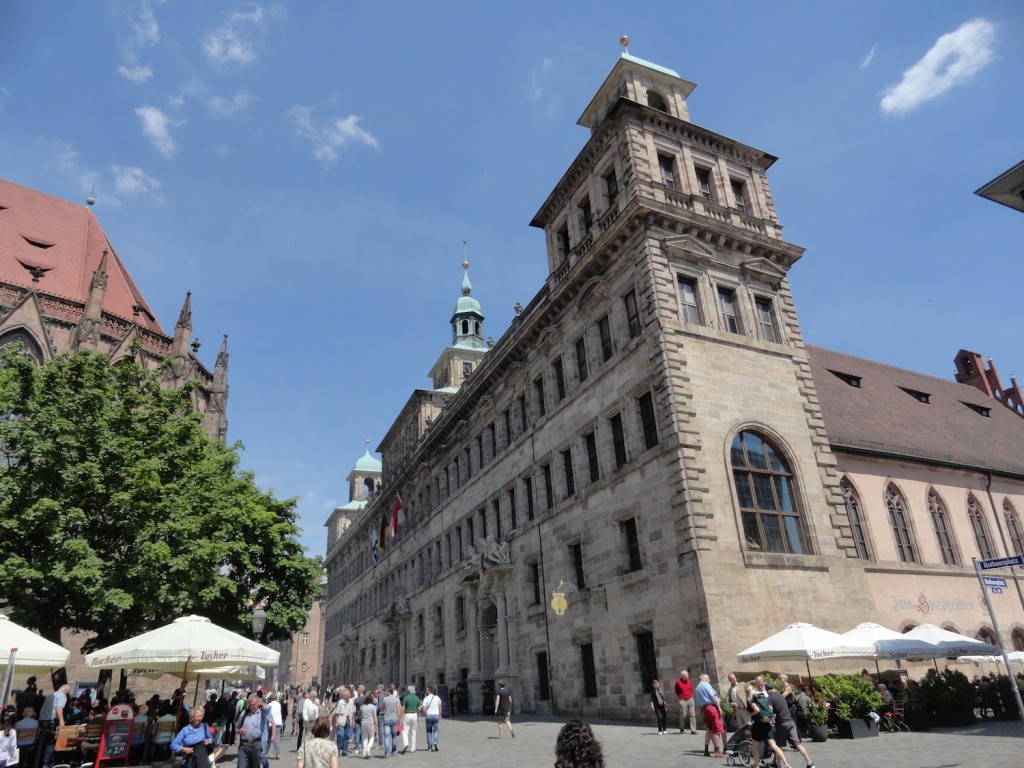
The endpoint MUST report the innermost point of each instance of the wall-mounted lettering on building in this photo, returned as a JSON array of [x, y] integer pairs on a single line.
[[925, 606]]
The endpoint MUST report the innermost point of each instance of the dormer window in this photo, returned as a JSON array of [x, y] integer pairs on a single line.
[[922, 397], [656, 101], [849, 378], [981, 410]]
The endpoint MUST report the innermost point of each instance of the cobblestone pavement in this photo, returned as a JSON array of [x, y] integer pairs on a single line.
[[473, 741]]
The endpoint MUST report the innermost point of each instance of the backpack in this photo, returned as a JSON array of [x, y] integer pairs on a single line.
[[764, 707]]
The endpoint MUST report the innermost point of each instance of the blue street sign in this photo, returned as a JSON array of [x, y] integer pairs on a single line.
[[997, 590], [993, 581], [1001, 562]]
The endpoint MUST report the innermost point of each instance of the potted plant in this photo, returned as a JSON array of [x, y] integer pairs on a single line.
[[950, 696], [729, 715], [816, 715], [854, 699]]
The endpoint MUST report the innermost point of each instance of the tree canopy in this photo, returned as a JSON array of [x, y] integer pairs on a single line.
[[118, 513]]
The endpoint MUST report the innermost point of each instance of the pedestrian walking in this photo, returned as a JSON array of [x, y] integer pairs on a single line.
[[432, 714], [503, 708], [659, 706], [410, 719]]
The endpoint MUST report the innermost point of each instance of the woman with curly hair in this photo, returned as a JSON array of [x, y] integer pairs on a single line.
[[576, 747]]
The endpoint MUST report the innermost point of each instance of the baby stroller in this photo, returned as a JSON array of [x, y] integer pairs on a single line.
[[739, 750]]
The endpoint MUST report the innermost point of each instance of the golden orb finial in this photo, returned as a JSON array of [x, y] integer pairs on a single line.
[[624, 41], [465, 265]]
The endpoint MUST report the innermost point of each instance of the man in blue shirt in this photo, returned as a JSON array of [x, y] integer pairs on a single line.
[[706, 700], [255, 728]]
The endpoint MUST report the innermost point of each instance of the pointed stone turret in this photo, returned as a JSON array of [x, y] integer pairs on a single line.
[[183, 329], [220, 371], [88, 333], [215, 420]]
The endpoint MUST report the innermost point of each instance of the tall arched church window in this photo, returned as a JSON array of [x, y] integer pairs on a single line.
[[943, 532], [899, 521], [981, 537], [767, 497], [1013, 527], [853, 511], [28, 343]]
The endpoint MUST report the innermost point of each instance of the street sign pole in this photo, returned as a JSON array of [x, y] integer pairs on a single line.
[[999, 639]]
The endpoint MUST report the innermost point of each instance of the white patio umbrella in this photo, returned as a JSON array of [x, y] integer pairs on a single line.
[[191, 643], [25, 652], [951, 644], [34, 654], [890, 644], [807, 642]]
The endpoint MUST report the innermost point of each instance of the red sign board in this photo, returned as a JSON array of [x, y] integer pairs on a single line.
[[117, 734]]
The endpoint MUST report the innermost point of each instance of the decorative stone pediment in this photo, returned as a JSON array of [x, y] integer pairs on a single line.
[[764, 269], [689, 245]]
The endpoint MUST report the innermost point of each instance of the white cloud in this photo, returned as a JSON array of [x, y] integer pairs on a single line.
[[145, 34], [131, 181], [330, 135], [953, 60], [241, 37], [870, 57], [220, 106], [156, 127], [138, 74], [537, 78]]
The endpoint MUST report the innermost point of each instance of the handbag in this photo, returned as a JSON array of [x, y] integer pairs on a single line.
[[398, 728]]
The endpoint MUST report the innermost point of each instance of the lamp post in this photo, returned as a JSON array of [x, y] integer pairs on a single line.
[[259, 623]]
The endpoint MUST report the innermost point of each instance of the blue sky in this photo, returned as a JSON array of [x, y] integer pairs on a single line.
[[310, 170]]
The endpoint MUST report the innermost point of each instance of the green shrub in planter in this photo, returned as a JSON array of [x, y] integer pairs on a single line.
[[950, 696], [816, 714], [851, 696]]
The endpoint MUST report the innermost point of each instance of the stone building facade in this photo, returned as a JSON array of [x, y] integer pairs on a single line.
[[64, 288], [638, 477]]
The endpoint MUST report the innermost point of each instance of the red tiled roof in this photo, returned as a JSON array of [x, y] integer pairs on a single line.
[[881, 416], [74, 244]]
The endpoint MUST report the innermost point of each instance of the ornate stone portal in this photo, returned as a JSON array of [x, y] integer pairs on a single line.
[[487, 577]]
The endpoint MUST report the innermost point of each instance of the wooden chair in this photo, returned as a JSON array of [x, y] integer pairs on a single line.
[[67, 744], [90, 744], [163, 734]]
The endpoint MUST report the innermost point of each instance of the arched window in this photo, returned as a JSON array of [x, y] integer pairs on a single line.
[[943, 533], [764, 487], [28, 343], [1013, 527], [986, 635], [1017, 640], [981, 537], [899, 521], [656, 101], [852, 501]]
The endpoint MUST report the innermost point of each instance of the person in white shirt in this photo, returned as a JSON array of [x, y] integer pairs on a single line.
[[275, 714], [432, 713], [8, 742]]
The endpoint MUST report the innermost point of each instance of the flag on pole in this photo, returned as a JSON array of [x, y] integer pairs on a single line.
[[383, 533], [397, 515], [373, 543]]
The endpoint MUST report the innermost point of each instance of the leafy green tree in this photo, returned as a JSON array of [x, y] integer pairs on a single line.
[[118, 513]]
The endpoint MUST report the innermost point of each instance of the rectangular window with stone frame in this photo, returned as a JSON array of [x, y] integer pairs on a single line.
[[582, 371], [460, 614]]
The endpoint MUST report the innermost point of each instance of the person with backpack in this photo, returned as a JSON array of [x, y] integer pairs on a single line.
[[255, 728], [762, 723]]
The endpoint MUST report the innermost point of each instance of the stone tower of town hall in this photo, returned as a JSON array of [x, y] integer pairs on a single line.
[[644, 442]]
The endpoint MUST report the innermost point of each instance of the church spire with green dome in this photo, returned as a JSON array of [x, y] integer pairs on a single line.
[[467, 319]]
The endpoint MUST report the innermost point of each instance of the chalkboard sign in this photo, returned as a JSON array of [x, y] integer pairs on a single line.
[[442, 692], [117, 734]]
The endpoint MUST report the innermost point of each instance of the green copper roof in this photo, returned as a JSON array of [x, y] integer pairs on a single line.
[[650, 65], [368, 463]]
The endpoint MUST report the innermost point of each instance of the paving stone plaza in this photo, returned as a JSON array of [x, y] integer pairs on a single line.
[[473, 741]]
